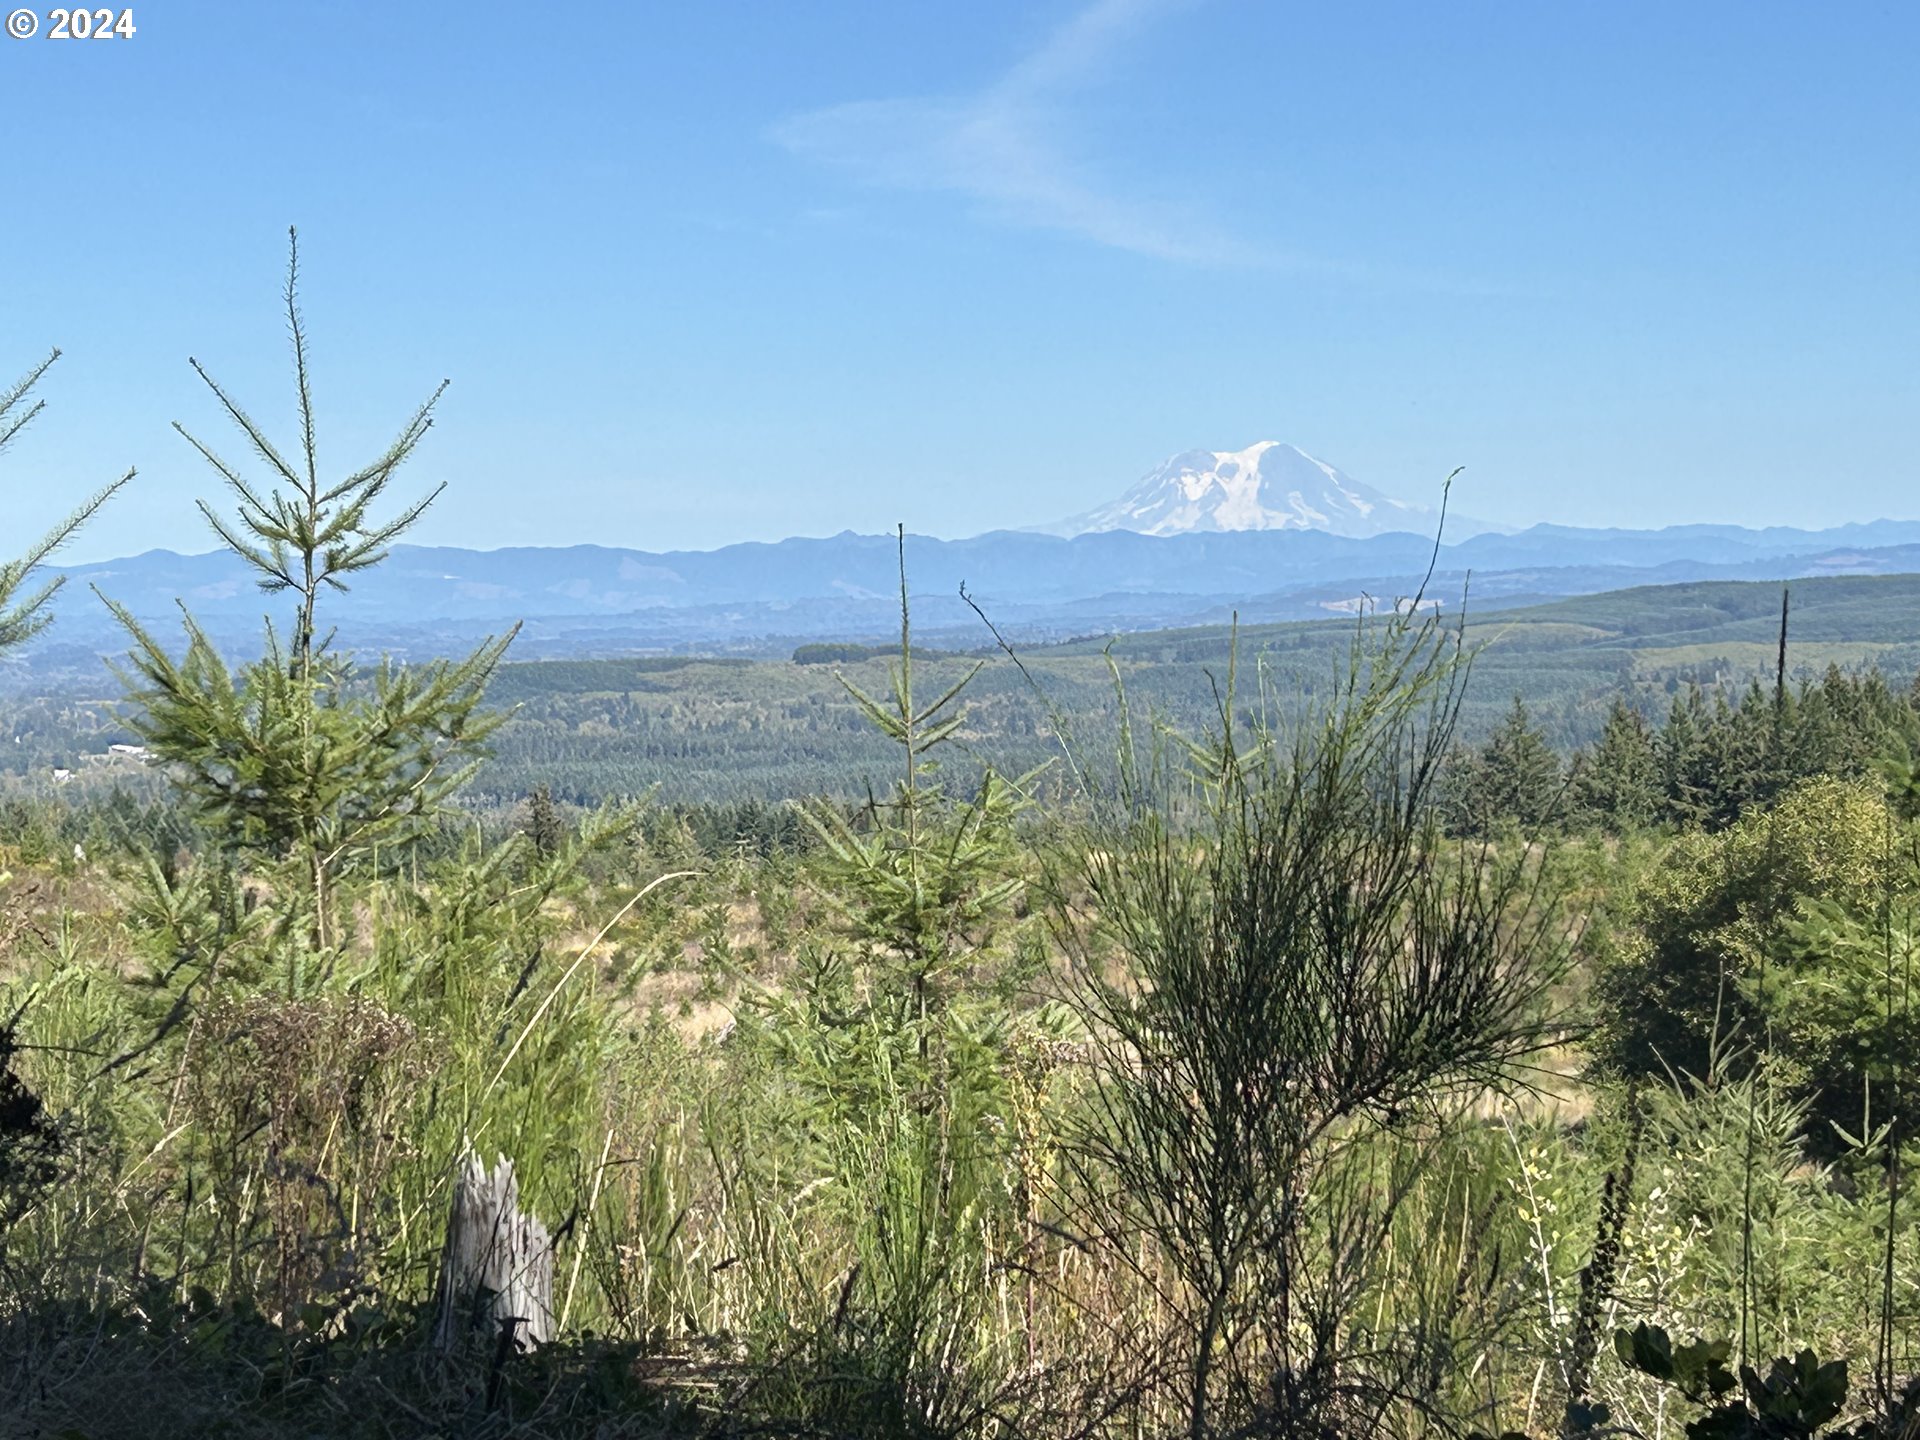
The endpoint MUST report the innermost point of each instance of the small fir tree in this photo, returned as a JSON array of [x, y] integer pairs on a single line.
[[1514, 779], [544, 826], [1685, 779], [22, 616], [30, 1137], [929, 878], [1617, 785], [1734, 753], [302, 757], [899, 1060]]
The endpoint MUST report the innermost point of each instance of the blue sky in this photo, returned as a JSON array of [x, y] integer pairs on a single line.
[[702, 273]]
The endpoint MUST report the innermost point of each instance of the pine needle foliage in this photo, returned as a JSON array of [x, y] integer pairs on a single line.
[[889, 1051], [34, 1150], [1514, 779], [931, 875], [298, 533], [1618, 785], [303, 756], [24, 615]]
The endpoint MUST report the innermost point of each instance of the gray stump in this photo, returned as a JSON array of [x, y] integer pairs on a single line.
[[496, 1274]]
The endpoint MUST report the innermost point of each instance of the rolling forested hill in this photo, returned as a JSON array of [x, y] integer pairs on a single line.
[[732, 729], [726, 729]]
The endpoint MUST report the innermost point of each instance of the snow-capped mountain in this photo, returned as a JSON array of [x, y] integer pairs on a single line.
[[1268, 486]]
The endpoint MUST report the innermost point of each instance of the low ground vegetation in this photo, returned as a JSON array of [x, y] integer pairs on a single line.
[[1302, 1072]]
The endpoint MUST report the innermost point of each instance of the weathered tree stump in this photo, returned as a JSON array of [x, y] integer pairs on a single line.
[[496, 1273]]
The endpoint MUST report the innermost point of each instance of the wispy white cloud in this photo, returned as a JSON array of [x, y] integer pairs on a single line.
[[1003, 147]]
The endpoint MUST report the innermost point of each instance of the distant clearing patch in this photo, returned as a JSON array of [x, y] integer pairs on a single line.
[[1536, 634], [1759, 657]]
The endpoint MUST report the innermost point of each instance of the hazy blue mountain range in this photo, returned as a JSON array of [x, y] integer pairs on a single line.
[[760, 598]]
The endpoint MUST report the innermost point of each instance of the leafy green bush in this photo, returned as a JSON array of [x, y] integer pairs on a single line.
[[1744, 943]]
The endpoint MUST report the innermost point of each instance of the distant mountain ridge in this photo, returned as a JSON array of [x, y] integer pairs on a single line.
[[762, 598], [1267, 486], [429, 582]]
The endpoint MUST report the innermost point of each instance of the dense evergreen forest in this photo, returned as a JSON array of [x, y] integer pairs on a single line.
[[1375, 1028]]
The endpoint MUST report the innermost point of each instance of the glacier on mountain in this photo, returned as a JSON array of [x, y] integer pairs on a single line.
[[1267, 486]]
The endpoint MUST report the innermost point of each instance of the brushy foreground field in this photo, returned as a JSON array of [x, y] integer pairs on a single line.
[[1286, 1058], [1246, 1093]]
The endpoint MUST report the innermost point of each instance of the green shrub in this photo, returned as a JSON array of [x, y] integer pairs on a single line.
[[1729, 956]]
